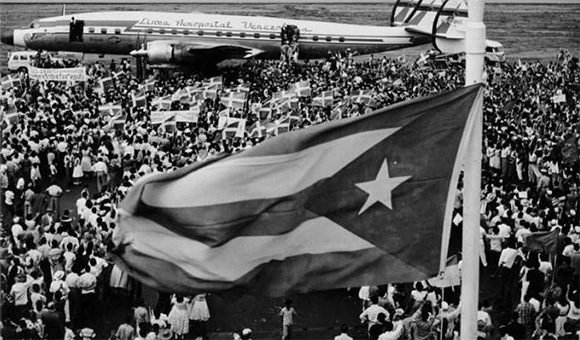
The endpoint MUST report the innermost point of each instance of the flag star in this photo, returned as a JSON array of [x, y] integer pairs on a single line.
[[381, 188]]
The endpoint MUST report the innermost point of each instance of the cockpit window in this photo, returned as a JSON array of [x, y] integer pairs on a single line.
[[34, 24]]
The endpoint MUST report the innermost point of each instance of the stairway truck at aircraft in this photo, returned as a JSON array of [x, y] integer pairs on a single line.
[[188, 38]]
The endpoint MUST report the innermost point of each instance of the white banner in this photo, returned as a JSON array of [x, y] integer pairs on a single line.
[[188, 116], [559, 98], [58, 74]]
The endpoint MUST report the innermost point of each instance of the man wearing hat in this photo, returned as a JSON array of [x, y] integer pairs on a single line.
[[246, 334], [58, 283], [87, 334], [55, 193], [87, 282], [51, 265]]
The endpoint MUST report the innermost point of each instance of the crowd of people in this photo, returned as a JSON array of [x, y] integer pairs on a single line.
[[60, 139]]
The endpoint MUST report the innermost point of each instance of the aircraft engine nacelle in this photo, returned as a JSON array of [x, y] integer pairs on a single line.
[[159, 53], [162, 52]]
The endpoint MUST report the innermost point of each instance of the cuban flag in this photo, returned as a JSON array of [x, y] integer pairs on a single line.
[[325, 99], [302, 88], [352, 202]]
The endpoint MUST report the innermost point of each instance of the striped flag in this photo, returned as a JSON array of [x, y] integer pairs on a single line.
[[235, 127], [105, 84], [281, 105], [325, 99], [265, 113], [257, 130], [162, 103], [214, 82], [353, 202], [182, 95], [243, 89], [11, 116], [422, 59], [234, 100], [139, 100], [282, 125], [149, 86], [337, 110], [169, 121], [110, 109], [361, 96], [294, 103], [210, 92], [9, 82], [294, 117], [545, 241], [117, 75], [117, 122], [302, 88]]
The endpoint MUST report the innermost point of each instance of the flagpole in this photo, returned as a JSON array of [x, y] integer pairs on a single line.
[[474, 62]]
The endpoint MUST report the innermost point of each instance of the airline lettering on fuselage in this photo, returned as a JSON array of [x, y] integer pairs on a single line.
[[185, 23], [250, 25], [259, 27]]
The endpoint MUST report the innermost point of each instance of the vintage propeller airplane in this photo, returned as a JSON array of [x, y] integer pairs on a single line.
[[188, 38]]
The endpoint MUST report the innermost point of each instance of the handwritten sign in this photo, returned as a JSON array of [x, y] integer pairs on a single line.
[[57, 74]]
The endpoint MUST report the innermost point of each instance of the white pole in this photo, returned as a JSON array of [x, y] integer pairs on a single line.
[[474, 62]]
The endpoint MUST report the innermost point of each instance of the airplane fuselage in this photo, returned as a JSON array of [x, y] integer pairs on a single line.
[[123, 32]]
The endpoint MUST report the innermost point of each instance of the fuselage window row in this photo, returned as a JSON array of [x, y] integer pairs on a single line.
[[228, 34]]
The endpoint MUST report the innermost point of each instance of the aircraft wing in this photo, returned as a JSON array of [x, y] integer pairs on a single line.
[[229, 51], [175, 51]]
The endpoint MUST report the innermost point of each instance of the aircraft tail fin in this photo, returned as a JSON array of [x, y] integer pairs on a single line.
[[443, 20]]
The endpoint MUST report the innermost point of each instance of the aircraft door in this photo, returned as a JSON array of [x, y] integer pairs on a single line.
[[76, 29], [289, 35]]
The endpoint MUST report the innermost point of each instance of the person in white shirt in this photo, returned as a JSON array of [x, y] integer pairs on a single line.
[[287, 313], [495, 248], [393, 331], [370, 315], [69, 257], [506, 269], [97, 265], [81, 203], [19, 292], [17, 230], [343, 333], [100, 168], [524, 232], [504, 230]]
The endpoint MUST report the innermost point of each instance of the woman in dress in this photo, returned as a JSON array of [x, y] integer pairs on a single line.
[[198, 315], [77, 170], [495, 161], [86, 162], [178, 318]]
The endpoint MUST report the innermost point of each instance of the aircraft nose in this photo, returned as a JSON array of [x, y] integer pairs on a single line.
[[7, 38]]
